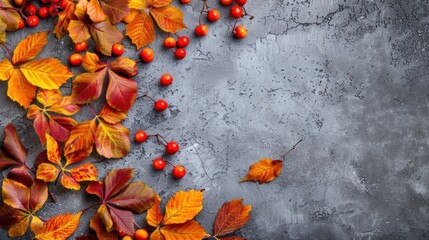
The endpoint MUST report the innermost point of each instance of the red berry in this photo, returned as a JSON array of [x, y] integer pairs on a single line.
[[240, 2], [21, 24], [45, 1], [141, 234], [213, 15], [80, 47], [179, 172], [180, 53], [160, 105], [63, 4], [185, 1], [75, 59], [182, 42], [122, 234], [147, 55], [53, 11], [226, 2], [166, 79], [30, 10], [118, 49], [44, 12], [19, 3], [201, 30], [240, 32], [236, 12], [172, 148], [32, 21], [140, 136], [169, 42], [159, 163]]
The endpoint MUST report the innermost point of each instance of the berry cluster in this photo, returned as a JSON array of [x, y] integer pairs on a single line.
[[30, 15], [181, 43], [76, 59]]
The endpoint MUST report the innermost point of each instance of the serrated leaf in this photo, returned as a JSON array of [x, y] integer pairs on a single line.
[[6, 69], [16, 194], [264, 171], [189, 230], [13, 145], [231, 217], [53, 149], [141, 30], [81, 138], [168, 18], [116, 180], [9, 16], [87, 87], [84, 172], [20, 89], [158, 3], [183, 206], [29, 47], [121, 92], [137, 197], [59, 227], [112, 140], [111, 115], [124, 220], [154, 216], [115, 9], [64, 18], [78, 31], [97, 225], [105, 36]]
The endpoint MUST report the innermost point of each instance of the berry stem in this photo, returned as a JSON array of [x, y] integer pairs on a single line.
[[158, 137], [51, 195], [169, 163], [137, 225], [8, 52], [290, 150], [146, 95], [247, 14]]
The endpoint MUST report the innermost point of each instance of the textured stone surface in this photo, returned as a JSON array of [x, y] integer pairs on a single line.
[[349, 77]]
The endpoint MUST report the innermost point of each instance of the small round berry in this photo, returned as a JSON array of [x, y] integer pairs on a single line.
[[226, 2], [75, 59], [185, 1], [172, 148], [80, 47], [213, 15], [118, 49], [63, 4], [180, 53], [201, 30], [18, 3], [32, 21], [140, 136], [159, 164], [160, 105], [147, 55], [240, 2], [44, 12], [240, 32], [53, 11], [169, 42], [141, 234], [183, 41], [21, 24], [236, 12], [30, 10], [179, 172], [166, 79], [127, 237]]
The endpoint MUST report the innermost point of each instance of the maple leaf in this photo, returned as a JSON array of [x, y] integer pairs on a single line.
[[140, 27], [264, 171], [24, 74], [59, 227], [70, 178], [120, 200], [231, 217], [44, 122], [14, 155], [22, 203]]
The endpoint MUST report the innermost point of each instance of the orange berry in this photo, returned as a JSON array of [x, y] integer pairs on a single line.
[[141, 234], [147, 55]]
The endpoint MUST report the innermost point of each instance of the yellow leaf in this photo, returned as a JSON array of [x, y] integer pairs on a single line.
[[141, 30], [53, 149], [59, 227], [6, 69], [48, 97], [84, 172], [30, 47], [36, 224], [138, 4], [19, 228], [105, 217], [190, 230], [91, 62], [183, 206], [169, 18], [78, 31], [81, 8], [47, 172], [47, 73], [112, 140], [264, 171], [20, 90], [158, 3], [157, 235], [69, 182]]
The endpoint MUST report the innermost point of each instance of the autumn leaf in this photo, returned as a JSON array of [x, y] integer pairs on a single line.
[[141, 30], [189, 230], [64, 18], [59, 227], [231, 217], [112, 140], [45, 122], [154, 216], [183, 206], [264, 171], [120, 200], [98, 226], [3, 27], [168, 18], [9, 16], [115, 10]]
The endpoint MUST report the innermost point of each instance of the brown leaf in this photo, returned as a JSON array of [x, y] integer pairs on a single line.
[[78, 31], [264, 171], [95, 11], [157, 235], [13, 145], [231, 217], [105, 36], [124, 66], [9, 16], [169, 18], [64, 18], [141, 30], [115, 9]]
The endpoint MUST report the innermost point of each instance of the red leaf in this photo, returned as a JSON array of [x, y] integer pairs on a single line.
[[124, 220], [136, 197], [6, 161], [9, 216], [121, 92], [87, 86], [97, 225], [38, 195], [41, 126], [116, 180], [16, 194], [21, 174], [13, 145], [111, 115], [96, 188]]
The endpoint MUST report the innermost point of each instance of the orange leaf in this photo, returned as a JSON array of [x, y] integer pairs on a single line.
[[36, 224], [81, 138], [85, 172], [78, 31], [47, 73], [183, 206], [87, 87], [81, 9], [47, 172], [38, 195], [158, 3], [94, 11], [9, 216], [54, 150], [69, 182], [48, 97], [121, 92], [59, 227], [3, 27], [16, 194], [30, 47], [115, 9], [41, 126], [169, 18], [19, 228], [91, 62], [125, 66], [231, 217], [264, 171], [187, 231], [137, 197], [64, 18], [6, 69], [157, 235], [154, 216], [9, 16], [97, 225], [112, 140], [111, 115], [141, 30], [105, 35], [65, 106], [20, 90], [133, 13]]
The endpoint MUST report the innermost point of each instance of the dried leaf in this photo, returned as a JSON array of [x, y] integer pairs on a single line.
[[87, 87], [3, 27], [20, 89], [59, 227], [141, 30], [84, 172], [78, 31], [64, 18], [19, 228], [39, 195], [94, 11], [183, 206], [124, 220], [13, 145], [137, 197], [264, 171], [97, 225], [81, 138], [231, 217], [9, 216], [115, 9], [116, 180], [168, 18], [187, 231], [124, 66]]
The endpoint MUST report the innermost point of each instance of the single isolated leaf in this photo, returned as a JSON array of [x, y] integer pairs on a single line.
[[183, 206], [231, 217], [141, 30], [264, 171], [168, 18], [59, 227], [189, 230]]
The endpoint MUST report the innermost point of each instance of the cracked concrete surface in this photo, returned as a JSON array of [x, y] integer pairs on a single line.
[[350, 77]]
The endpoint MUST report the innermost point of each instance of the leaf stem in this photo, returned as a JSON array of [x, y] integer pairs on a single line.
[[247, 14], [290, 150], [8, 52], [92, 110], [90, 206], [51, 195]]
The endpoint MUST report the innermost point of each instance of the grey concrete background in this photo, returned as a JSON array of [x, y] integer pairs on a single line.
[[350, 77]]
